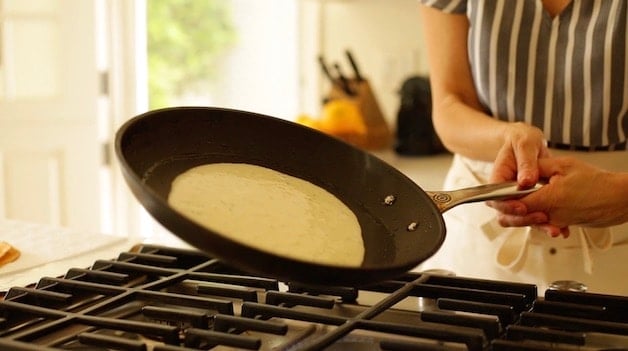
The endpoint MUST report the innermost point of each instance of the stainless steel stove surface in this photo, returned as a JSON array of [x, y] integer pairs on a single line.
[[166, 299]]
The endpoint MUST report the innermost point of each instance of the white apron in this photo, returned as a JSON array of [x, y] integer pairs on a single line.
[[477, 246]]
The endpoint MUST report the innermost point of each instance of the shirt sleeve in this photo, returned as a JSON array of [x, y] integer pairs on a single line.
[[448, 6]]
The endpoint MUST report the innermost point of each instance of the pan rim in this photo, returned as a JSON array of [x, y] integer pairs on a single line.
[[136, 180]]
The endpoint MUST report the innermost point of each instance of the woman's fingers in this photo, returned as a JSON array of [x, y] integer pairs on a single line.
[[553, 230], [528, 219], [538, 220], [509, 207]]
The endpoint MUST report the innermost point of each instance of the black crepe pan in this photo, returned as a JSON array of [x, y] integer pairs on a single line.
[[402, 225]]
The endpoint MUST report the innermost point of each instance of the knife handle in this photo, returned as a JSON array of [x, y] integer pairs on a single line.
[[343, 80], [354, 65]]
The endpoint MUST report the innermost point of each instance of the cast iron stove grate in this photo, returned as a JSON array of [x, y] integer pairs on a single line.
[[166, 299]]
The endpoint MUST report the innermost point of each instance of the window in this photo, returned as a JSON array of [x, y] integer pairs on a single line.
[[240, 54]]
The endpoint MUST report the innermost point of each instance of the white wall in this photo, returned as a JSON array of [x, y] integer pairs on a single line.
[[385, 38], [274, 67], [260, 73]]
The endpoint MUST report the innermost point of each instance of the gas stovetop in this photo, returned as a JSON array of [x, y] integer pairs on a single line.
[[166, 299]]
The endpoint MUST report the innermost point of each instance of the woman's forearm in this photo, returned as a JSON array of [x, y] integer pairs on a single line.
[[619, 187], [457, 112], [467, 131]]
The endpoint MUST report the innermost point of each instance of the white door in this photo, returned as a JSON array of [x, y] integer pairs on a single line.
[[50, 153]]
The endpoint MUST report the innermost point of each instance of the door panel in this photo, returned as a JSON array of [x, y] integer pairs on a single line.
[[49, 145], [33, 174]]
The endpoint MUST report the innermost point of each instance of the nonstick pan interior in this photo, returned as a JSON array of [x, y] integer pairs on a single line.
[[401, 226]]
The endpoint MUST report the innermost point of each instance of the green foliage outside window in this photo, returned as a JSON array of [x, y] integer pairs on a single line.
[[185, 40]]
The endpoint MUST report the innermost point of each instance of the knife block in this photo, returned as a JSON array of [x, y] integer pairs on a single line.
[[378, 134]]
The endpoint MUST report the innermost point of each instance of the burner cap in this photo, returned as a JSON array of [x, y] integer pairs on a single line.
[[568, 285]]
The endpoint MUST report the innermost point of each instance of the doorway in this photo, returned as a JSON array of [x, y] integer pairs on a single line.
[[50, 147], [87, 62]]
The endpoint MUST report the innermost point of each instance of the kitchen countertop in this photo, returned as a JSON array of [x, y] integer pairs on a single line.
[[427, 171], [49, 251]]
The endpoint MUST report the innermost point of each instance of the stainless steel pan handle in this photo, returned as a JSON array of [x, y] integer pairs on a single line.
[[445, 200]]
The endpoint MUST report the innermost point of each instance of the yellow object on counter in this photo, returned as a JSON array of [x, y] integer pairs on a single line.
[[8, 253], [309, 121], [353, 117], [340, 118]]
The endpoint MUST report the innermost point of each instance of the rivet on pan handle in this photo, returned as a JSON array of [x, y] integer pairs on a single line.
[[446, 200]]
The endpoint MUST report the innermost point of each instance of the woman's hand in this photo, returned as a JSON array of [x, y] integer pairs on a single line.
[[577, 194], [517, 160], [518, 157]]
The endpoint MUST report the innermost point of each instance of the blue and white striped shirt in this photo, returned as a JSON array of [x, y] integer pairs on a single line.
[[567, 74]]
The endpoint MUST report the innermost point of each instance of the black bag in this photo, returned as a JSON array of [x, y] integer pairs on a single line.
[[415, 133]]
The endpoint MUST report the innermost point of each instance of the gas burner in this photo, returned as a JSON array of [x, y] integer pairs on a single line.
[[568, 285], [168, 299]]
